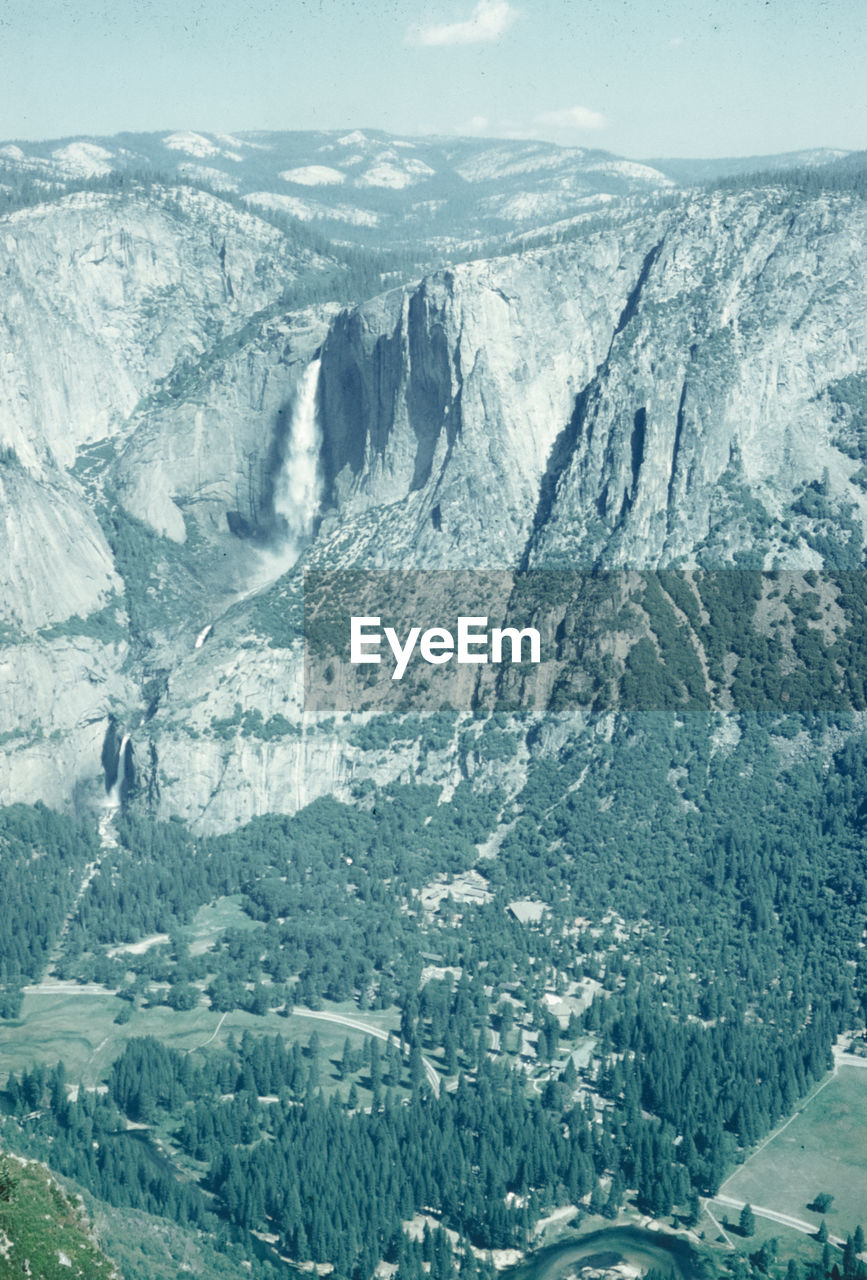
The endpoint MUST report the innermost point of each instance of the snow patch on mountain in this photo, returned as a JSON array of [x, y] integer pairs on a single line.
[[215, 178], [633, 170], [533, 206], [504, 162], [395, 176], [83, 160], [229, 140], [198, 146], [313, 175]]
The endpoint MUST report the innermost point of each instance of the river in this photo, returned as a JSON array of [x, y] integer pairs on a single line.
[[646, 1250]]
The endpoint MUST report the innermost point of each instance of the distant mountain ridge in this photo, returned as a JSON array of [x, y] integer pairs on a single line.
[[686, 171], [367, 186], [359, 183]]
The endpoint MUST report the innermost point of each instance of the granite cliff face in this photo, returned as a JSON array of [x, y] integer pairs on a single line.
[[107, 298], [210, 445], [643, 396], [447, 398], [106, 294], [681, 385], [715, 404]]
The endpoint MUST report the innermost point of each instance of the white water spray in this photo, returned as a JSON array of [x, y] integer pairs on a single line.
[[298, 491], [114, 796]]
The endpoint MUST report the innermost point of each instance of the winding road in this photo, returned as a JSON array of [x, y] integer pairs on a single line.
[[797, 1224], [433, 1076]]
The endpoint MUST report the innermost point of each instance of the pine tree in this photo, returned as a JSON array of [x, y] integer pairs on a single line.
[[693, 1212], [346, 1059], [615, 1197], [8, 1180], [416, 1067], [850, 1258]]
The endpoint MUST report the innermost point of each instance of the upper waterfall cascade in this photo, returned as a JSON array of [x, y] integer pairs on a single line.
[[298, 491], [115, 793]]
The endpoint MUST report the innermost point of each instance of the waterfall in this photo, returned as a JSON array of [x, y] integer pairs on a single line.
[[115, 793], [298, 490]]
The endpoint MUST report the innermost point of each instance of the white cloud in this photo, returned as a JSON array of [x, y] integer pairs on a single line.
[[571, 118], [488, 21], [475, 125]]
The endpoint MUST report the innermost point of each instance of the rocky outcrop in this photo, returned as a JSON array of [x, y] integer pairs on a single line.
[[712, 409], [57, 699], [109, 300], [54, 560]]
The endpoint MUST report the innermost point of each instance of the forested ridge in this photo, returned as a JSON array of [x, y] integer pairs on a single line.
[[42, 858]]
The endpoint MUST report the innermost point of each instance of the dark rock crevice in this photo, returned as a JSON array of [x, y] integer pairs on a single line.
[[579, 426], [559, 459], [637, 441], [632, 301], [675, 455]]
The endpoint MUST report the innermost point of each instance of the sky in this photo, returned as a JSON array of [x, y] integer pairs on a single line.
[[642, 78]]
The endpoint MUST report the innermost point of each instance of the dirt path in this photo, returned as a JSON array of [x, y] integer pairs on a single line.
[[213, 1034]]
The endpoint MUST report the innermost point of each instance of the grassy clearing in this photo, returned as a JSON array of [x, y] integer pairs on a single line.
[[80, 1029], [822, 1149], [790, 1244], [77, 1025], [212, 921]]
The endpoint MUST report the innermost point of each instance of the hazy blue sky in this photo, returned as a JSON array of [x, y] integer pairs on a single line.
[[639, 77]]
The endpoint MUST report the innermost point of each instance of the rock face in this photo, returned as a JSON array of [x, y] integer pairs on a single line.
[[54, 559], [584, 405], [212, 447], [683, 385], [448, 397], [718, 378], [105, 295]]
